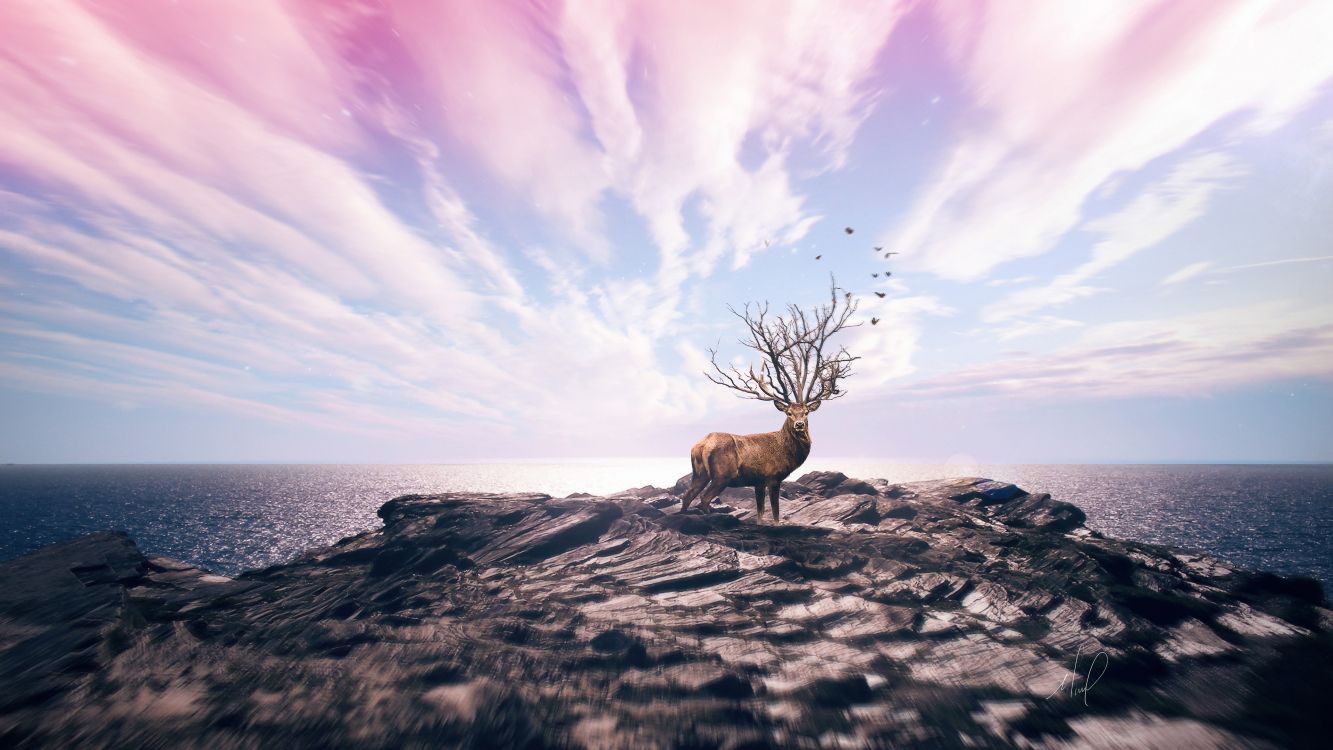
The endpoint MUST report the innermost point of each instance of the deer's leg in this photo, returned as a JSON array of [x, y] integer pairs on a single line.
[[773, 490], [716, 488], [723, 466], [759, 503], [698, 481], [696, 486]]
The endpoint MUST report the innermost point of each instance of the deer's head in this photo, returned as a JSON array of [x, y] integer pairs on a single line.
[[799, 368], [798, 414]]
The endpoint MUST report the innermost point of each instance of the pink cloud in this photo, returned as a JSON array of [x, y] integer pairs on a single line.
[[653, 102], [1068, 96], [271, 59], [135, 134], [497, 87]]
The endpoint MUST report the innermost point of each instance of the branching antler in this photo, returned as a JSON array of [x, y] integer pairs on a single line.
[[794, 367]]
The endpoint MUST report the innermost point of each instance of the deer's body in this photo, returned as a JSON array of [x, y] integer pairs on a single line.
[[798, 371], [721, 460]]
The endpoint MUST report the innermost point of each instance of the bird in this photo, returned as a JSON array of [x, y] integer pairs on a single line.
[[848, 295], [887, 274], [879, 249], [880, 295], [848, 230], [817, 257], [765, 243], [874, 321], [874, 276], [888, 254]]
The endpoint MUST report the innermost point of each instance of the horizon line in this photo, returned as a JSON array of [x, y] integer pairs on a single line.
[[632, 459]]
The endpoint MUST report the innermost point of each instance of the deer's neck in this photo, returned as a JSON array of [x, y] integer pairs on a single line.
[[797, 443]]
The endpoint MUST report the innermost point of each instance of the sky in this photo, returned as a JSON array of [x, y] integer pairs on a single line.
[[457, 231]]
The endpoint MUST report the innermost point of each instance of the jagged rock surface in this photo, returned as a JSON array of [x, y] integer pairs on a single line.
[[933, 614]]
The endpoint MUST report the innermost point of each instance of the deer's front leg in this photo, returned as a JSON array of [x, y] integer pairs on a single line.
[[759, 503], [773, 491]]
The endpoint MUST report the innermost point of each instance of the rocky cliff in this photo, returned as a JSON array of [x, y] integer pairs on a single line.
[[963, 613]]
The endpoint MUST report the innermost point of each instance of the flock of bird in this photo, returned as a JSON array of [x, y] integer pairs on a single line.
[[875, 275]]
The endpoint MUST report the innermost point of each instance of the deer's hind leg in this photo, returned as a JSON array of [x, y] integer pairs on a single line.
[[697, 485], [773, 491], [759, 503], [715, 488], [721, 466], [698, 481]]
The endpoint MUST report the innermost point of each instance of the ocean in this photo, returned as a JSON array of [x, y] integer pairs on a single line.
[[230, 518]]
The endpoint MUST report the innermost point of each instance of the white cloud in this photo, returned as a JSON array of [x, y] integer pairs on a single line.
[[1068, 96], [1187, 273], [768, 76], [1011, 281], [888, 348], [1155, 214], [1187, 355], [1279, 262], [1041, 324]]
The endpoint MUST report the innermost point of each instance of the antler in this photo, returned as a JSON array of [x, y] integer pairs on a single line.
[[828, 370], [793, 368], [773, 340]]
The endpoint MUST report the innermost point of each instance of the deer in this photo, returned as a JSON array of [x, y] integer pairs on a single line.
[[797, 373]]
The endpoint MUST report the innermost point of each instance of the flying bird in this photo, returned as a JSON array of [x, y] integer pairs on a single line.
[[887, 274], [880, 295], [874, 276], [888, 254], [874, 321], [817, 257], [848, 230], [879, 249]]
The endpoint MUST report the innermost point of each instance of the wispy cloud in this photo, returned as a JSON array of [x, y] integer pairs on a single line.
[[1187, 273], [676, 97], [290, 229], [1031, 326], [1155, 214], [1068, 97], [503, 225], [888, 349], [1187, 355], [1281, 262]]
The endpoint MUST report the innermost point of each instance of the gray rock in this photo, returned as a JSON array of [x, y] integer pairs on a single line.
[[830, 483], [949, 613]]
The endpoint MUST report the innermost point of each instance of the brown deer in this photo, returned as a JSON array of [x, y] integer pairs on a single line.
[[796, 375]]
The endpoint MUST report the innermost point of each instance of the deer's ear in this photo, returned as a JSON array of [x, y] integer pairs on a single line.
[[780, 406], [812, 407]]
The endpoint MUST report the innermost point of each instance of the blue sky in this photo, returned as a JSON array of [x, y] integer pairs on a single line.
[[454, 231]]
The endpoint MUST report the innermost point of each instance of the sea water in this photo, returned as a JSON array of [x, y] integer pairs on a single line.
[[230, 518]]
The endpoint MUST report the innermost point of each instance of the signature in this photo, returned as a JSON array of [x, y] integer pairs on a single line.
[[1068, 682]]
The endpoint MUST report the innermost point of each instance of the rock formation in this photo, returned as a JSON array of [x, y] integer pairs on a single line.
[[961, 613]]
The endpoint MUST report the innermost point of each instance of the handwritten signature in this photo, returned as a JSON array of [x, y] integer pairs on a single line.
[[1068, 682]]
